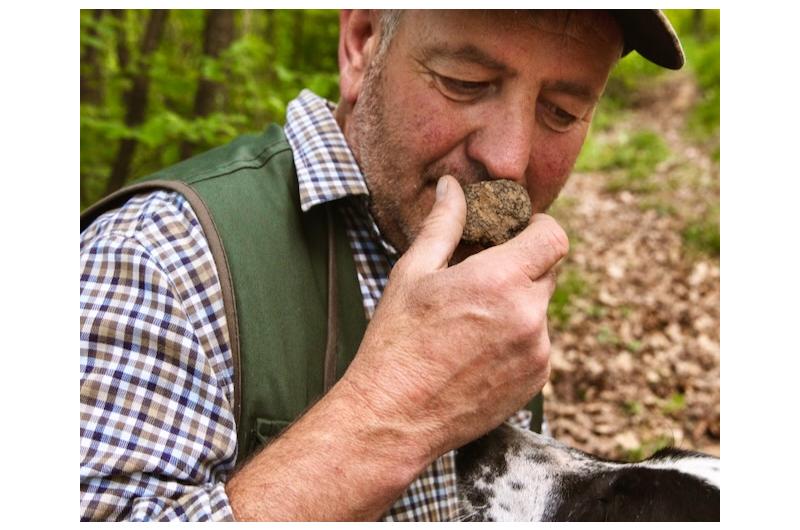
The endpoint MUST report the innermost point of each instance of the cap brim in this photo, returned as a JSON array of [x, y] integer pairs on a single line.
[[649, 33]]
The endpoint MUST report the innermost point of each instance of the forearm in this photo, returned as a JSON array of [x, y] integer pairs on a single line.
[[338, 462]]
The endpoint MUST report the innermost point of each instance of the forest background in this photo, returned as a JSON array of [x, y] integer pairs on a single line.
[[635, 318]]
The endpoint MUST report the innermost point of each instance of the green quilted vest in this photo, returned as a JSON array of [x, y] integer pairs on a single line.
[[292, 331]]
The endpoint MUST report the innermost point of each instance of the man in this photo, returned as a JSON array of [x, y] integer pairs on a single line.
[[430, 100]]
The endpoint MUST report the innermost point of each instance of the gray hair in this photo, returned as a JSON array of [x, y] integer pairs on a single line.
[[390, 20]]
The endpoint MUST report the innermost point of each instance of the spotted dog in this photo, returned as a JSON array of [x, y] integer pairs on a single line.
[[516, 475]]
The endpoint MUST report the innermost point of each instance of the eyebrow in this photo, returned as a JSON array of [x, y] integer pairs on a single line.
[[578, 90], [465, 54]]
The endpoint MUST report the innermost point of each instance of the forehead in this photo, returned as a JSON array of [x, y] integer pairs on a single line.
[[579, 23], [515, 31], [583, 25]]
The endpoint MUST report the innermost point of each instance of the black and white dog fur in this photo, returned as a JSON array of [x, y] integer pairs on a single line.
[[516, 475]]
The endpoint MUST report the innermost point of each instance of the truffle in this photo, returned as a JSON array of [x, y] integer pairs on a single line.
[[497, 210]]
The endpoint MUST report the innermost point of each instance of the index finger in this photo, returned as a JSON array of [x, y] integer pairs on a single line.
[[539, 247]]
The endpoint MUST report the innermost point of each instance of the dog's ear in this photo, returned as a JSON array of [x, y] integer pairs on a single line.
[[640, 494]]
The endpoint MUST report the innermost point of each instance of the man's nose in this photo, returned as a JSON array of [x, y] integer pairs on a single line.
[[503, 143]]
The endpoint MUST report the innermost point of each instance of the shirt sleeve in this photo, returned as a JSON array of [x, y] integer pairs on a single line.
[[158, 435]]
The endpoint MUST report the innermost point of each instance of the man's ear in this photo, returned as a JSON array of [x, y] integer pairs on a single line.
[[358, 41]]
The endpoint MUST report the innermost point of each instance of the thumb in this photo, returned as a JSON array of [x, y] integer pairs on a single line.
[[441, 230]]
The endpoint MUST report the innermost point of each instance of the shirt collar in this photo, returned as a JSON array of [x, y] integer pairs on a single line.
[[326, 169]]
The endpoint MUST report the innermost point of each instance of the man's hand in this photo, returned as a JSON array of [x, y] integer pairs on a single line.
[[453, 351], [450, 353]]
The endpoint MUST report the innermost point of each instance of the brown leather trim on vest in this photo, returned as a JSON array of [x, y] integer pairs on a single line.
[[333, 304], [203, 214]]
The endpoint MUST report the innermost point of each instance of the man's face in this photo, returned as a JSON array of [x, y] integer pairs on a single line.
[[478, 95]]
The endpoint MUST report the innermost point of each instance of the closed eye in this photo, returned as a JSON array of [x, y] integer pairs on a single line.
[[461, 89], [555, 117]]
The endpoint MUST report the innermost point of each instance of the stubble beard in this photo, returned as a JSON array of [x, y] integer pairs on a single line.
[[393, 182], [380, 159]]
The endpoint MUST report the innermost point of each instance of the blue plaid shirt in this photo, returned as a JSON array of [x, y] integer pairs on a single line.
[[158, 437]]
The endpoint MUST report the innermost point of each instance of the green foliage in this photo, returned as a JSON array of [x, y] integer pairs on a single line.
[[632, 157], [597, 311], [699, 31], [569, 287], [607, 337], [632, 407], [632, 74], [659, 205], [704, 120], [702, 234], [701, 24], [634, 346], [634, 77], [699, 34], [674, 404], [273, 55], [648, 448]]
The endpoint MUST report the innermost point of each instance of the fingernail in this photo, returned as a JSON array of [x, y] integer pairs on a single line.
[[441, 188]]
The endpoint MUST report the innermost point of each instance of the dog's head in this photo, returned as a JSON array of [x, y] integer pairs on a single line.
[[516, 475]]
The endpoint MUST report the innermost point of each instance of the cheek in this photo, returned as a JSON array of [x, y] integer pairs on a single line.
[[429, 128], [558, 155], [550, 168]]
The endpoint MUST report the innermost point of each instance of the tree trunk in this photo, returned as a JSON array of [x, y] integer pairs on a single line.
[[91, 82], [247, 21], [269, 31], [697, 23], [136, 97], [297, 31], [91, 73], [218, 35], [123, 55], [272, 53]]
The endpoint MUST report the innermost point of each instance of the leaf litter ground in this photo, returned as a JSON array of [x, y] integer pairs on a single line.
[[636, 359]]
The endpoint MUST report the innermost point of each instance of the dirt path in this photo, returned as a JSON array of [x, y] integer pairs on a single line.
[[636, 365]]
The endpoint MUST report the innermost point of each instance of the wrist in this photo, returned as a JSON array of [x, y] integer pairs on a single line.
[[378, 431], [340, 461]]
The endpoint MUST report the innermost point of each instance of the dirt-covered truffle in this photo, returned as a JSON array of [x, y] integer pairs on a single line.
[[497, 210]]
